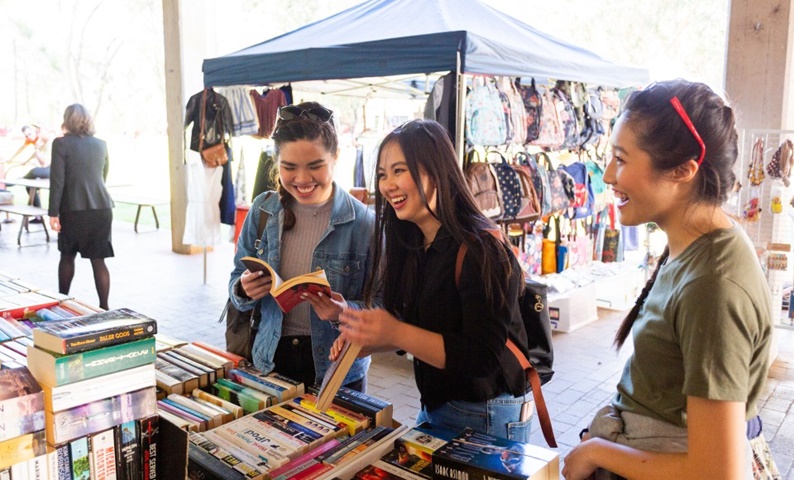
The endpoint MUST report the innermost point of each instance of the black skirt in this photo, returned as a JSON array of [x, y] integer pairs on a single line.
[[87, 232]]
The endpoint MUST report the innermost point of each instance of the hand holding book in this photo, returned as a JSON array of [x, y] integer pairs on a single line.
[[288, 293]]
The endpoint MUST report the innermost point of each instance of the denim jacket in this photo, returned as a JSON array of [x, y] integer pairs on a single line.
[[343, 252]]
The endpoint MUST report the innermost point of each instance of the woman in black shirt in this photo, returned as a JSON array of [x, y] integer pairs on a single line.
[[456, 333]]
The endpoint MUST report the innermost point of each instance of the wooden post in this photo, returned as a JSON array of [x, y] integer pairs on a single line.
[[758, 78], [172, 38]]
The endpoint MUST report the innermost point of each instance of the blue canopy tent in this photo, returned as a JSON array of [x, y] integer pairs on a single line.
[[381, 38], [394, 37]]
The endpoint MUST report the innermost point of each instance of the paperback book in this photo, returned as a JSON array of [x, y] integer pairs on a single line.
[[335, 375], [67, 396], [288, 293], [148, 430], [59, 369], [85, 419], [93, 331], [21, 402], [477, 456]]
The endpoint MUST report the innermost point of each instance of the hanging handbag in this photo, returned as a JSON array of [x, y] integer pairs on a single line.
[[610, 252], [241, 326], [215, 155]]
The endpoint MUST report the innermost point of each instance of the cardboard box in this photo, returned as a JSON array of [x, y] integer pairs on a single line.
[[573, 309]]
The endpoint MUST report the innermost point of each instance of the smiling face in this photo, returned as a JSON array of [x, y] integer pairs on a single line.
[[643, 194], [400, 190], [306, 170]]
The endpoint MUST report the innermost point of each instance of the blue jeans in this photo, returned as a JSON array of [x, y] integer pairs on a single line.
[[498, 417]]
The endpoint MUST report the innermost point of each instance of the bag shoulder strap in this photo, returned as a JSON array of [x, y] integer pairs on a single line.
[[532, 374], [202, 112], [260, 228]]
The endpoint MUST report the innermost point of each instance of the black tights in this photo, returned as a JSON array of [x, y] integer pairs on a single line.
[[101, 277]]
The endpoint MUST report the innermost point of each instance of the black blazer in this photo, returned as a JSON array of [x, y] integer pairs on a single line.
[[77, 175]]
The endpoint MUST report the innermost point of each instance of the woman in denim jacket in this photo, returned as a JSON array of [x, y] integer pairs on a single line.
[[312, 224]]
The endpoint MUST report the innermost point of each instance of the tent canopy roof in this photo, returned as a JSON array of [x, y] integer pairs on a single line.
[[393, 37]]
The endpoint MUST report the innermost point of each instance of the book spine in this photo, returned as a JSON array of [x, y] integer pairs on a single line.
[[79, 393], [248, 404], [235, 359], [37, 468], [148, 430], [397, 471], [15, 427], [19, 471], [249, 458], [312, 472], [78, 449], [94, 363], [236, 410], [22, 448], [354, 421], [103, 455], [295, 470], [362, 446], [309, 456], [128, 459], [366, 399], [290, 442], [259, 383], [107, 337], [261, 439], [102, 414], [229, 459], [202, 465], [59, 463], [252, 443], [251, 392], [299, 387], [306, 422], [288, 428], [315, 415]]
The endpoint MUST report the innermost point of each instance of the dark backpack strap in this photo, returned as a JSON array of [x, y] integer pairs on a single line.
[[532, 375]]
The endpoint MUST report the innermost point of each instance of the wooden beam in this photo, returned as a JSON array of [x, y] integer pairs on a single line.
[[172, 38], [760, 53]]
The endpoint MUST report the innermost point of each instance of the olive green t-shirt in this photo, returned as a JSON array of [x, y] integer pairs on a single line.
[[704, 330]]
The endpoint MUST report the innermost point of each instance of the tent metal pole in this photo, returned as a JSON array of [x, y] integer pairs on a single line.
[[460, 112]]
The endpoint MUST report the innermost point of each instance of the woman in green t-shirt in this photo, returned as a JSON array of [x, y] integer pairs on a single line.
[[702, 326]]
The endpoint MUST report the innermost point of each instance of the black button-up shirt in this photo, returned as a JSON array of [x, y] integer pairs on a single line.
[[478, 364]]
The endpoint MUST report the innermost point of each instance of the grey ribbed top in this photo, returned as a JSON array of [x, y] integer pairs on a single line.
[[297, 247]]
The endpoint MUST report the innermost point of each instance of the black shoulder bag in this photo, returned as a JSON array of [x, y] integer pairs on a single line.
[[241, 327]]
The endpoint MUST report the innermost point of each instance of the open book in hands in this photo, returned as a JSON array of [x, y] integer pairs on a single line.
[[288, 293]]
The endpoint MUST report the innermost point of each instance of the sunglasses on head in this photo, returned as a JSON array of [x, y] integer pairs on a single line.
[[315, 114], [662, 93]]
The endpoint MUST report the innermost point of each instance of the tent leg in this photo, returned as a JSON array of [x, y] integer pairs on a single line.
[[460, 112], [205, 265]]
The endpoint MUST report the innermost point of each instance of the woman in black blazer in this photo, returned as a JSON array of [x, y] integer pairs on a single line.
[[80, 206]]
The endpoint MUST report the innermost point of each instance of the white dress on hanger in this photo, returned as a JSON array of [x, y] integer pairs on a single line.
[[203, 215]]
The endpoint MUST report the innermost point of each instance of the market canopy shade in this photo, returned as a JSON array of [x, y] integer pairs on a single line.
[[393, 37]]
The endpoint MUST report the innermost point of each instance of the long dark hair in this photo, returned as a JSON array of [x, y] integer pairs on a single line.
[[664, 136], [292, 130], [427, 149]]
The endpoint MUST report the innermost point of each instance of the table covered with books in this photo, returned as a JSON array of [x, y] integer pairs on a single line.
[[103, 393]]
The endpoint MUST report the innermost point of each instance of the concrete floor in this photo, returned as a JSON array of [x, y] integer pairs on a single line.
[[186, 293]]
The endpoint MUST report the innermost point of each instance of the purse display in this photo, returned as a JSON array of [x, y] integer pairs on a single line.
[[215, 155]]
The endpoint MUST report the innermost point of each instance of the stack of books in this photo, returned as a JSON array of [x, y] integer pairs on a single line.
[[291, 440], [22, 437], [96, 373]]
